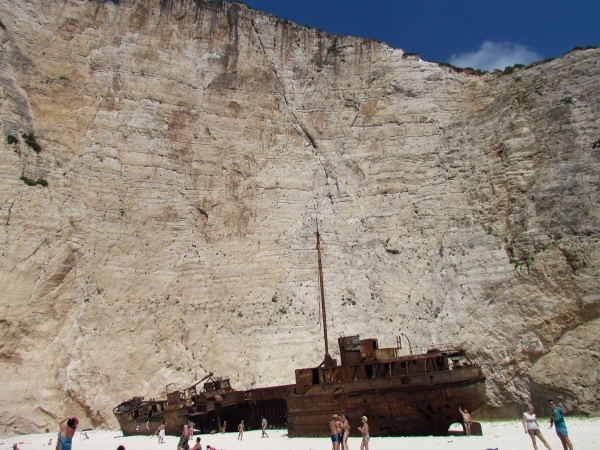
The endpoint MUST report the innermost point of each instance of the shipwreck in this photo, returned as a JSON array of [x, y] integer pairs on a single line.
[[401, 395]]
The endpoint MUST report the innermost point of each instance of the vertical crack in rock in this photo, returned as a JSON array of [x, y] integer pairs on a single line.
[[305, 132], [12, 203], [323, 161]]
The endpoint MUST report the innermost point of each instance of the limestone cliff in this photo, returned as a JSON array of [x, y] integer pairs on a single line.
[[162, 164]]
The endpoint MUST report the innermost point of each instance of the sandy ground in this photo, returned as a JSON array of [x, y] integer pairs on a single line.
[[584, 434]]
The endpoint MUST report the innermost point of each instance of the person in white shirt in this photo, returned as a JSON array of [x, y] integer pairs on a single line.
[[532, 428]]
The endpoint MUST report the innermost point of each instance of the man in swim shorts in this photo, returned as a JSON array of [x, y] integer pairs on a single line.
[[466, 420], [557, 418], [340, 431], [160, 431], [333, 428]]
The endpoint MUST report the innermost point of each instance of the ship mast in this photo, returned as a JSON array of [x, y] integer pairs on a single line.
[[327, 361]]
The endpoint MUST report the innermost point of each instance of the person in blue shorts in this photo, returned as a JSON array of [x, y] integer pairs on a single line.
[[557, 418], [333, 428]]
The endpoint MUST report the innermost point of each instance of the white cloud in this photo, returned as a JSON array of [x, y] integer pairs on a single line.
[[495, 55]]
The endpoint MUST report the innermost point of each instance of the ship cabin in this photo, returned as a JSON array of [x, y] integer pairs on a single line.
[[218, 385], [211, 390], [137, 409], [364, 360]]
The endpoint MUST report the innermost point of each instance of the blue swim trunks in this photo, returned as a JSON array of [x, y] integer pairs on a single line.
[[334, 438], [562, 431]]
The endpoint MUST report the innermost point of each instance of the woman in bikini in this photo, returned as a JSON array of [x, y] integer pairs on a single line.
[[364, 430], [532, 428], [67, 431]]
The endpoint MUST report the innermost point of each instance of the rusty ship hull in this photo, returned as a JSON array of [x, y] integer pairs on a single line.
[[201, 406], [139, 427], [208, 408], [419, 405], [424, 401], [140, 417]]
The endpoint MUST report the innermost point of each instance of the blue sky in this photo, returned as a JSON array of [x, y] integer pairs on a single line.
[[477, 33]]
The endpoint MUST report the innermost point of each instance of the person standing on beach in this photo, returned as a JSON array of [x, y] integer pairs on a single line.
[[340, 431], [67, 431], [241, 431], [530, 424], [263, 426], [345, 433], [185, 437], [333, 428], [364, 430], [466, 420], [224, 427], [160, 431], [557, 418]]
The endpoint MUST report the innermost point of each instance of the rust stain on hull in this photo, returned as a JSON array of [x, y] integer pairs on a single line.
[[413, 411]]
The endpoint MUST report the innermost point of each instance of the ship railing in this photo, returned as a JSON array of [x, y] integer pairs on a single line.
[[443, 348], [452, 350]]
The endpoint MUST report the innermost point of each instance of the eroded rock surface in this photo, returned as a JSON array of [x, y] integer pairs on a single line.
[[171, 157]]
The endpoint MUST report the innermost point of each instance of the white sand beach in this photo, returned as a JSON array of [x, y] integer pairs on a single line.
[[584, 434]]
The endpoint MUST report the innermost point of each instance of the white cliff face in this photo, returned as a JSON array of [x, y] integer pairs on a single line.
[[188, 148]]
